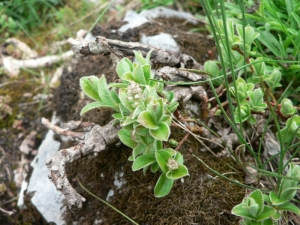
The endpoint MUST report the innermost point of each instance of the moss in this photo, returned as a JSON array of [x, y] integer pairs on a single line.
[[201, 198]]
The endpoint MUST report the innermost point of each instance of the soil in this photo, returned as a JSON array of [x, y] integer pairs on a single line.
[[200, 198]]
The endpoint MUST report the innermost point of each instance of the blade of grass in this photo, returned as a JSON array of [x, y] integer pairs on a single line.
[[100, 16], [106, 203]]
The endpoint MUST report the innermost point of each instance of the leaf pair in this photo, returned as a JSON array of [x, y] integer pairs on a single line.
[[252, 208], [291, 129], [155, 120], [249, 100], [137, 72], [97, 89], [162, 158]]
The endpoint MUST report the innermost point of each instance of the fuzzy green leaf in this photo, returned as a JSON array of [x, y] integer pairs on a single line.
[[138, 75], [90, 106], [124, 100], [142, 161], [291, 130], [138, 150], [242, 88], [289, 193], [138, 111], [163, 186], [287, 107], [150, 149], [258, 197], [212, 68], [118, 116], [89, 85], [162, 133], [141, 130], [156, 109], [289, 207], [179, 158], [147, 73], [128, 121], [146, 119], [125, 137], [274, 80], [139, 57], [110, 98], [147, 140], [117, 85], [256, 100], [242, 115], [250, 34], [154, 167], [124, 66], [267, 213], [239, 210], [259, 68], [128, 76], [162, 158], [275, 200], [148, 56], [182, 171], [172, 106]]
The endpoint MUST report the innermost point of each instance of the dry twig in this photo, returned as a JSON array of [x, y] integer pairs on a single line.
[[93, 141], [124, 49]]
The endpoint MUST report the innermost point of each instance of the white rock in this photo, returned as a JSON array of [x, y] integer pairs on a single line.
[[47, 200]]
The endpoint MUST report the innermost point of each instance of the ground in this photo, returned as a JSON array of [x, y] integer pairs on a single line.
[[201, 198]]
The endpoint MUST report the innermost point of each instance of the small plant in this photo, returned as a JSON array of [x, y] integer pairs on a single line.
[[249, 100], [143, 109], [254, 211], [291, 129]]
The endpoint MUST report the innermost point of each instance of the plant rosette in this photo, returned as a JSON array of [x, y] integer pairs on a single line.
[[143, 110]]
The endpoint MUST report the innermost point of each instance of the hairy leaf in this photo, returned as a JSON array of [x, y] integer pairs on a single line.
[[142, 161], [182, 171], [162, 133], [124, 66], [125, 137], [162, 158], [163, 186], [147, 120], [89, 85]]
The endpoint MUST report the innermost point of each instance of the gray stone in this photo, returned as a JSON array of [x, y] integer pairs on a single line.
[[47, 200]]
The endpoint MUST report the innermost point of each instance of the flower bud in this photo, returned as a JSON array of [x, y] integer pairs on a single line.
[[287, 107], [134, 93], [172, 164]]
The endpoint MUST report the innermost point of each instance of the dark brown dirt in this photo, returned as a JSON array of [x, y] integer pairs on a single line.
[[200, 199]]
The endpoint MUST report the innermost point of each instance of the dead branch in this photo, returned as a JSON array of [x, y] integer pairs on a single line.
[[123, 49], [12, 66], [94, 141], [176, 75]]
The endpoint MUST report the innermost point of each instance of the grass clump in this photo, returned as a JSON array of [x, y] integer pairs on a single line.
[[259, 58]]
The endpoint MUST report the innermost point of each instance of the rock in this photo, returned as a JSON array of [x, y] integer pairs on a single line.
[[162, 41], [47, 200]]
